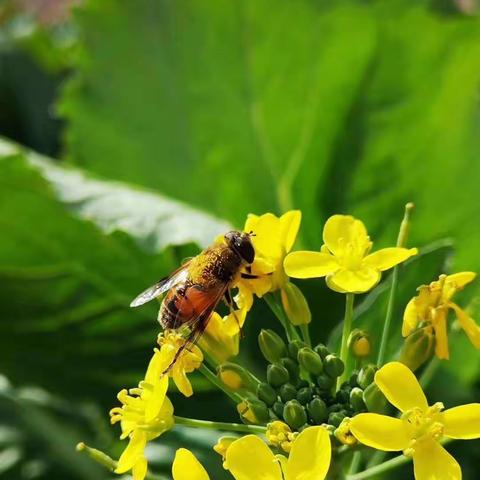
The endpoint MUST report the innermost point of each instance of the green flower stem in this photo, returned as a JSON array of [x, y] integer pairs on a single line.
[[382, 468], [104, 460], [207, 373], [305, 331], [277, 309], [401, 241], [347, 327], [224, 426], [429, 372], [356, 459]]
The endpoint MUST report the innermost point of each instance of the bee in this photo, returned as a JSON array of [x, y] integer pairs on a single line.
[[196, 288]]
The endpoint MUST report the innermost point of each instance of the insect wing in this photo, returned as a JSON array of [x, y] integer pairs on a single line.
[[163, 285]]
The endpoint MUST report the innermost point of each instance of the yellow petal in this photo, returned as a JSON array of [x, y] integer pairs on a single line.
[[339, 230], [305, 465], [181, 381], [389, 257], [460, 279], [398, 383], [380, 431], [462, 422], [267, 240], [139, 470], [306, 264], [289, 225], [357, 281], [133, 452], [410, 318], [468, 325], [432, 462], [249, 458], [439, 323], [155, 402], [187, 467]]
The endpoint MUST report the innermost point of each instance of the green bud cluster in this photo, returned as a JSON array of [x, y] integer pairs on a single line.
[[300, 384]]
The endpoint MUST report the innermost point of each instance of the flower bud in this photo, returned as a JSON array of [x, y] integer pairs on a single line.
[[295, 305], [293, 347], [305, 395], [271, 345], [278, 409], [359, 343], [336, 418], [374, 399], [325, 383], [294, 414], [266, 393], [277, 375], [418, 347], [310, 361], [333, 366], [292, 367], [287, 392], [280, 435], [253, 411], [356, 400], [322, 350], [366, 376], [235, 377], [317, 411]]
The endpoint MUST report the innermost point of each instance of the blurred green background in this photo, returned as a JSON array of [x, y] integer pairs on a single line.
[[162, 122]]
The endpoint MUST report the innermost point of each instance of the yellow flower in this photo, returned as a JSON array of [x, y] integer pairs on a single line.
[[280, 435], [418, 432], [432, 304], [145, 414], [189, 360], [250, 458], [222, 445], [221, 338], [344, 259], [273, 239]]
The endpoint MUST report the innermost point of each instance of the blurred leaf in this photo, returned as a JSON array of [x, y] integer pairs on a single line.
[[221, 104], [66, 285]]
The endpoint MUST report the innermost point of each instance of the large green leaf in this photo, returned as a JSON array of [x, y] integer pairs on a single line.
[[66, 285], [218, 103]]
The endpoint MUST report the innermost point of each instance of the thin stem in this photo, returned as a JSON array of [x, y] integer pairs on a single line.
[[382, 468], [401, 241], [429, 372], [305, 331], [356, 459], [277, 310], [207, 373], [347, 327], [225, 426]]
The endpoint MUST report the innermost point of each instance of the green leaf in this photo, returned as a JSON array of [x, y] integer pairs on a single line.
[[67, 284], [223, 104]]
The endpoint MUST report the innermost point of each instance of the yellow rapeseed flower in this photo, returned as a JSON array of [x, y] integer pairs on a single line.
[[273, 239], [145, 414], [250, 458], [344, 259], [221, 338], [420, 428], [432, 304], [189, 360]]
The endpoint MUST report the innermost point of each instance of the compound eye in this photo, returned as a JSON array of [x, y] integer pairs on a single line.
[[246, 251]]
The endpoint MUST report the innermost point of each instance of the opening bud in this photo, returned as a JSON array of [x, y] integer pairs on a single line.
[[253, 411], [271, 345], [295, 305], [359, 343], [343, 433], [418, 347], [235, 377]]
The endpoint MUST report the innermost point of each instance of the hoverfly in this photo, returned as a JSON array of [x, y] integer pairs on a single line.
[[196, 288]]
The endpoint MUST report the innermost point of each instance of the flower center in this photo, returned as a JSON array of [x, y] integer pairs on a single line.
[[352, 253], [423, 425]]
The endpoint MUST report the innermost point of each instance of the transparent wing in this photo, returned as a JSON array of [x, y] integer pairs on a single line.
[[163, 285]]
